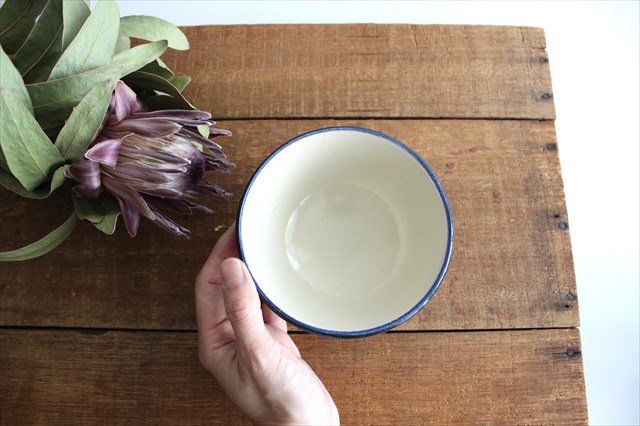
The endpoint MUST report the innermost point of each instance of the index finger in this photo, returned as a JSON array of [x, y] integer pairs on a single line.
[[210, 310]]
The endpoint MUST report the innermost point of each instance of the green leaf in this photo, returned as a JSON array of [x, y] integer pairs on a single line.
[[16, 20], [158, 67], [43, 191], [111, 213], [94, 45], [44, 245], [74, 14], [180, 81], [102, 213], [84, 122], [157, 102], [42, 48], [10, 79], [204, 130], [123, 44], [53, 100], [153, 29], [87, 209], [146, 81], [108, 224], [31, 156]]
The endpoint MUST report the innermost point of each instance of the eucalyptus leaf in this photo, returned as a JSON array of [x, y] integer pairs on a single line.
[[122, 44], [111, 213], [16, 20], [161, 101], [44, 245], [151, 82], [87, 209], [94, 45], [30, 155], [204, 130], [102, 213], [84, 122], [53, 100], [43, 191], [108, 224], [158, 67], [153, 29], [74, 14], [42, 48], [11, 80], [180, 81]]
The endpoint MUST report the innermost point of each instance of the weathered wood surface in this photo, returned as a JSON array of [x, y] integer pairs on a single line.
[[506, 377], [511, 266], [300, 71]]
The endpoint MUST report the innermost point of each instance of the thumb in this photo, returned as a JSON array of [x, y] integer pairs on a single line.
[[242, 304]]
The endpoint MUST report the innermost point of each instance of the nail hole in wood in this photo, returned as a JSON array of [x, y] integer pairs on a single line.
[[551, 146], [546, 96], [543, 60], [572, 353]]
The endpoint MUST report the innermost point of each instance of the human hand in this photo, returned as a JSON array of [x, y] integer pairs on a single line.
[[247, 348]]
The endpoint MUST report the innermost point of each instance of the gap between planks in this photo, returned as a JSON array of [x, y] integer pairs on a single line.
[[99, 330], [541, 120]]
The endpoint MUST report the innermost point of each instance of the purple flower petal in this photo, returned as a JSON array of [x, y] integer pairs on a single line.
[[214, 131], [130, 215], [86, 172], [123, 103], [170, 226], [176, 115], [200, 207], [162, 192], [213, 163], [178, 206], [128, 195], [201, 139], [158, 155], [87, 191], [149, 127], [143, 173], [105, 152], [205, 187]]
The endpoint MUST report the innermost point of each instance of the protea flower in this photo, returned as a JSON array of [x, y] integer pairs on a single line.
[[151, 160]]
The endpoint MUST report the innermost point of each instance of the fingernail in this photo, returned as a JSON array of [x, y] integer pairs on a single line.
[[232, 273]]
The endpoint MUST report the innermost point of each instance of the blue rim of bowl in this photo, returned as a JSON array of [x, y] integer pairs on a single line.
[[381, 328]]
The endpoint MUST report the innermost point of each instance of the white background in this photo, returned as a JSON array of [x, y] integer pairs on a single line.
[[593, 52]]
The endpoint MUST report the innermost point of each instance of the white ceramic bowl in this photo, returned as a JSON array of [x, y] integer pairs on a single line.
[[346, 231]]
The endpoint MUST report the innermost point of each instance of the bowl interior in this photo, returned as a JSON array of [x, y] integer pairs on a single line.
[[344, 230]]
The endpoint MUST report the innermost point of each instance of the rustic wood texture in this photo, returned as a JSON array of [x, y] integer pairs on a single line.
[[511, 266], [508, 377], [301, 71]]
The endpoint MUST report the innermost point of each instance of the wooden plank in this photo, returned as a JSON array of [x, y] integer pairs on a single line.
[[511, 266], [505, 377], [298, 71]]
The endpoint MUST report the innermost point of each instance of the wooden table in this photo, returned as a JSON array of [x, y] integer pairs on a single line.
[[103, 329]]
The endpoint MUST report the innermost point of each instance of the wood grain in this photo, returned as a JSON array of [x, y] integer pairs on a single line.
[[506, 377], [302, 71], [511, 266]]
